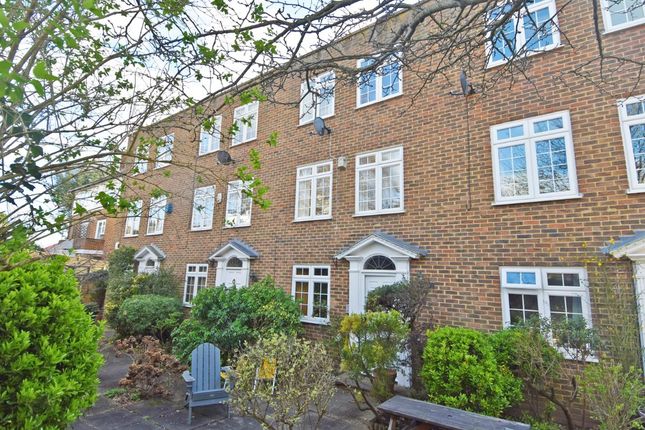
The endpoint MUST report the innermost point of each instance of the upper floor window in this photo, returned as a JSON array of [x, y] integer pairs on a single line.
[[100, 229], [379, 182], [619, 14], [559, 294], [164, 151], [133, 219], [380, 84], [632, 121], [311, 290], [196, 280], [533, 159], [317, 97], [156, 215], [238, 205], [140, 162], [533, 28], [210, 135], [246, 121], [313, 191], [203, 208]]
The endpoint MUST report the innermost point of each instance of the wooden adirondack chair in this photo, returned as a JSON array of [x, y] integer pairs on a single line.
[[203, 382]]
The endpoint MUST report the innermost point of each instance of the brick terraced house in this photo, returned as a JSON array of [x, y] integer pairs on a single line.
[[557, 172]]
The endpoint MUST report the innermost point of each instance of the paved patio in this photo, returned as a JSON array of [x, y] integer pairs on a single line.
[[170, 414]]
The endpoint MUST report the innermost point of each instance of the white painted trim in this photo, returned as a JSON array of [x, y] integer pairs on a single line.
[[625, 123], [237, 187], [606, 20], [355, 249], [379, 86], [245, 111], [101, 222], [378, 166], [217, 132], [314, 190], [203, 192], [168, 148], [315, 85], [196, 274], [222, 260], [310, 279]]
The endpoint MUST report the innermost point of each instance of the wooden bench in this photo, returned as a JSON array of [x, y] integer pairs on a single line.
[[442, 416]]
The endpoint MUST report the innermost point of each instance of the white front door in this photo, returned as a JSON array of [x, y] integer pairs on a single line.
[[372, 282], [234, 276]]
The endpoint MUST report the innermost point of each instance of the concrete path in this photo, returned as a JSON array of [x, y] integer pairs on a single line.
[[170, 414]]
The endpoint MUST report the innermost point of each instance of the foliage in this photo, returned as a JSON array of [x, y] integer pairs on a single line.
[[49, 357], [371, 343], [304, 382], [409, 298], [614, 395], [65, 183], [163, 283], [233, 317], [148, 315], [460, 370], [92, 309], [121, 260], [153, 371], [120, 274]]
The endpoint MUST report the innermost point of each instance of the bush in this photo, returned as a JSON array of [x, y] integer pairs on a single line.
[[120, 275], [304, 382], [230, 318], [148, 315], [162, 283], [460, 370], [49, 357]]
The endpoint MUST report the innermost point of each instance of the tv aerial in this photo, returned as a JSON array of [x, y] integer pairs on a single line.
[[223, 157], [320, 128]]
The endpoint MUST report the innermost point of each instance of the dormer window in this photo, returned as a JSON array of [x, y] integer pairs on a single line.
[[317, 97]]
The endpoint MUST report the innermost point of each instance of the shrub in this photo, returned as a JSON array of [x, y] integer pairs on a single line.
[[460, 370], [148, 314], [49, 357], [120, 274], [162, 283], [229, 318], [304, 382], [153, 372]]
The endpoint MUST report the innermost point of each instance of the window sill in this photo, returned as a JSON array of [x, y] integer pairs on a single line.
[[326, 218], [394, 212], [201, 229], [130, 235], [539, 200], [207, 153], [302, 124], [378, 101], [526, 55], [233, 145], [634, 191], [623, 27], [154, 234], [316, 321], [187, 305], [237, 226]]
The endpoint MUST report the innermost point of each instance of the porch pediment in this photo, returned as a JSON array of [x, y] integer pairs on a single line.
[[632, 247], [150, 251], [382, 239], [235, 246]]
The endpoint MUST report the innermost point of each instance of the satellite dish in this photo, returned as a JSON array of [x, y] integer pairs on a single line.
[[466, 88], [320, 127], [224, 158]]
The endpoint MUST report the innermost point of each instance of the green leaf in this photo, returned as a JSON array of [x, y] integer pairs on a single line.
[[41, 72], [38, 87]]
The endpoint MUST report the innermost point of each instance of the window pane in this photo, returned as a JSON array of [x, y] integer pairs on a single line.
[[637, 135], [537, 28], [548, 125], [390, 79], [367, 190], [504, 42], [522, 307], [367, 84], [391, 189], [302, 271], [571, 279], [304, 198], [554, 279], [553, 172], [513, 173], [633, 109], [323, 194], [320, 299], [302, 296], [565, 308]]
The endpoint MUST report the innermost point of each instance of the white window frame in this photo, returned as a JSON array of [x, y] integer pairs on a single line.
[[521, 44], [156, 212], [100, 229], [245, 133], [165, 152], [197, 274], [235, 221], [310, 279], [199, 196], [625, 122], [379, 82], [378, 165], [133, 220], [313, 178], [141, 164], [210, 140], [528, 139], [606, 18], [310, 99]]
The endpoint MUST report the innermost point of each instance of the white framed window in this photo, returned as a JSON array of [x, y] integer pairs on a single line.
[[203, 208], [156, 215], [533, 159], [140, 162], [554, 293], [532, 29], [133, 219], [379, 182], [164, 151], [246, 119], [196, 280], [310, 288], [313, 191], [381, 84], [317, 97], [619, 14], [632, 127], [211, 136], [100, 229], [238, 205]]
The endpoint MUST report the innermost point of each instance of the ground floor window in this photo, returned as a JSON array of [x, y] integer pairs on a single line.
[[311, 290], [558, 294], [196, 277]]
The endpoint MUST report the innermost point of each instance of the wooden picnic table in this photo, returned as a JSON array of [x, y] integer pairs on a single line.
[[442, 417]]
